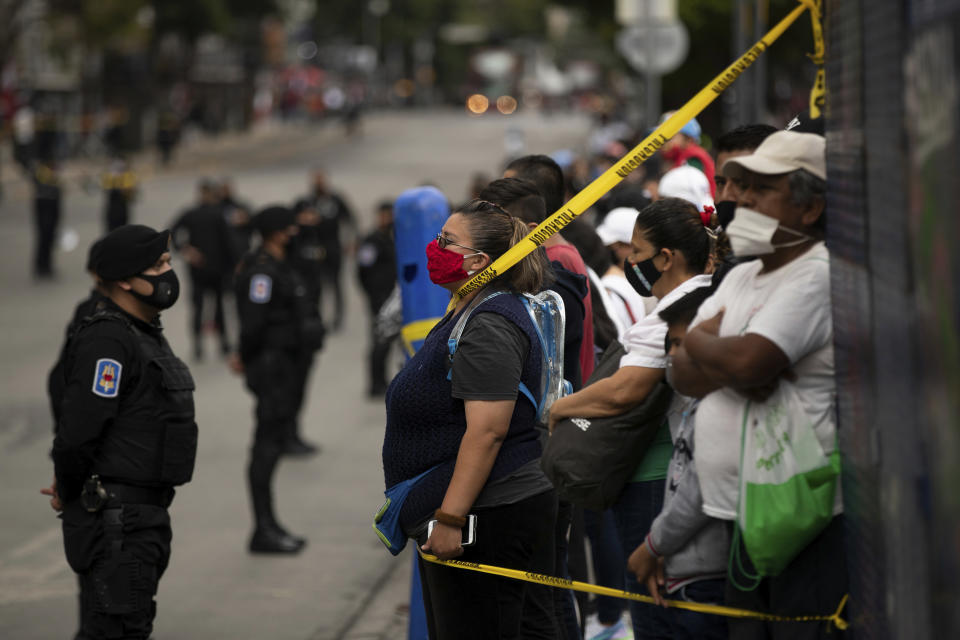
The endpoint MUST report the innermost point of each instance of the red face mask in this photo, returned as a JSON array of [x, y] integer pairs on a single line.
[[446, 266]]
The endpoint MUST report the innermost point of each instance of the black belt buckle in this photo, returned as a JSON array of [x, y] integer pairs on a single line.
[[94, 496]]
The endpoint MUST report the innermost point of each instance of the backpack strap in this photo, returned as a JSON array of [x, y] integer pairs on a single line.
[[458, 328]]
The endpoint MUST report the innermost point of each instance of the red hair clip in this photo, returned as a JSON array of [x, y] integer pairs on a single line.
[[706, 215]]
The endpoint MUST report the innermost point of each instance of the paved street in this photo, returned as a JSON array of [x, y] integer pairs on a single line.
[[345, 584]]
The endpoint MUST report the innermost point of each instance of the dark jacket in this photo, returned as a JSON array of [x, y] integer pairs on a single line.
[[273, 308], [205, 229]]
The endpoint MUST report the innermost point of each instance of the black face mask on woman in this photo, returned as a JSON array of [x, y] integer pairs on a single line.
[[642, 275], [166, 289]]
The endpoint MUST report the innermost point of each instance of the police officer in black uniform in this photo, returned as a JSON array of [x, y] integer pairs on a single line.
[[126, 436], [306, 254], [275, 325], [377, 271], [46, 215], [334, 214]]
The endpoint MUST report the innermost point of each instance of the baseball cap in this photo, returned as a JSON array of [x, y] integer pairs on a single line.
[[688, 183], [618, 225], [783, 152], [692, 128]]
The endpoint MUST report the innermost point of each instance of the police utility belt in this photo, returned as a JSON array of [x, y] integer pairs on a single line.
[[98, 494]]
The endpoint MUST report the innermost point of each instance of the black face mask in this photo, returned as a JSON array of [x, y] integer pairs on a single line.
[[166, 289], [642, 276], [725, 210]]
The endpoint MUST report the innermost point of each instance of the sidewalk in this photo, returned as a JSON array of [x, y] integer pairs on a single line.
[[386, 613]]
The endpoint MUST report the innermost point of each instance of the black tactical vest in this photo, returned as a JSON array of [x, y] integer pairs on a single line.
[[153, 439]]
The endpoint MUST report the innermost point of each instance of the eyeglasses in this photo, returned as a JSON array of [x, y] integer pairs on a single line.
[[442, 242]]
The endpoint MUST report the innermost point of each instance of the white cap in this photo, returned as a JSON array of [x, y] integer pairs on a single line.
[[783, 152], [687, 183], [617, 226]]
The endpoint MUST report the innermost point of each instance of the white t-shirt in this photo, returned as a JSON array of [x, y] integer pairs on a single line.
[[627, 303], [645, 341], [791, 308]]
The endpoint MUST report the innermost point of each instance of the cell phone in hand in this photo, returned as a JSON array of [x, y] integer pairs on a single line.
[[468, 534]]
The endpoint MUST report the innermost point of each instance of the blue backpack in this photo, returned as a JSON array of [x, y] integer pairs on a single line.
[[547, 315]]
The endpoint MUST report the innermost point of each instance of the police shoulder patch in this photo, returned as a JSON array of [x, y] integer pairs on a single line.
[[106, 378], [261, 287]]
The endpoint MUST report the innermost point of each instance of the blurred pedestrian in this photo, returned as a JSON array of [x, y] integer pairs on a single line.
[[335, 215], [275, 327], [684, 149], [769, 327], [478, 181], [202, 237], [616, 231], [168, 135], [688, 183], [24, 129], [46, 215], [120, 189], [306, 255], [125, 438], [460, 426], [377, 271], [237, 214]]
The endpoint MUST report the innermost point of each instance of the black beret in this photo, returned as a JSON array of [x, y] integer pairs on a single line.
[[129, 250], [275, 218], [93, 255]]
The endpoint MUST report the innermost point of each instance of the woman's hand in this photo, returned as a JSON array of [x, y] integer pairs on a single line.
[[444, 542]]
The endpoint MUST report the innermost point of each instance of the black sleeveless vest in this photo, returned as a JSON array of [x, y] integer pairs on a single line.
[[153, 440]]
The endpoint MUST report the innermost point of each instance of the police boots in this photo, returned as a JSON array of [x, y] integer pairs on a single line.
[[268, 536], [274, 539]]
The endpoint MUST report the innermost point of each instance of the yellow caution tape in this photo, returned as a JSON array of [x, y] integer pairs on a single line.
[[415, 331], [634, 158], [819, 90], [586, 587]]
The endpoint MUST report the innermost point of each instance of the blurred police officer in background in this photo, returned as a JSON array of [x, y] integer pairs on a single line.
[[237, 214], [334, 214], [125, 437], [275, 325], [46, 215], [377, 270], [203, 238], [120, 189], [306, 254]]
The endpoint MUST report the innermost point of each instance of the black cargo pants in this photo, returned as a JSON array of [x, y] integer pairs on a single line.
[[118, 582]]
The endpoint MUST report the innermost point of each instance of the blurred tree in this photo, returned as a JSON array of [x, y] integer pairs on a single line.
[[11, 26]]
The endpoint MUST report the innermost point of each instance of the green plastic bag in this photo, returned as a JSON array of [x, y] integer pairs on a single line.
[[788, 486]]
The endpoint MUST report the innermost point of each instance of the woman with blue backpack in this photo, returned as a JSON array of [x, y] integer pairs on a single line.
[[461, 451]]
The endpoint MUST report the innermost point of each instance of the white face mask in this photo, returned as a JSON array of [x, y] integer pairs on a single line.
[[751, 234]]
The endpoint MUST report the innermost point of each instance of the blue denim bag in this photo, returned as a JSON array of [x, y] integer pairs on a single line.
[[386, 522]]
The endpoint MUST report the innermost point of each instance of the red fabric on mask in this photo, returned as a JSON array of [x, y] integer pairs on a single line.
[[445, 266]]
